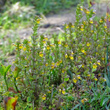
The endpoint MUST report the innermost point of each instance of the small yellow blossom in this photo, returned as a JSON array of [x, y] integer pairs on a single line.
[[91, 21], [53, 65], [57, 63], [46, 64], [59, 42], [59, 90], [24, 49], [71, 57], [81, 8], [102, 58], [44, 41], [72, 26], [87, 11], [82, 29], [83, 51], [82, 65], [63, 71], [104, 79], [20, 46], [63, 91], [38, 21], [67, 26], [42, 73], [83, 100], [66, 45], [44, 97], [99, 74], [60, 61], [66, 56], [49, 92], [88, 75], [46, 38], [94, 66], [98, 62], [79, 77], [41, 54], [74, 80], [48, 47], [72, 53], [95, 79], [92, 31], [105, 26], [101, 21], [88, 44]]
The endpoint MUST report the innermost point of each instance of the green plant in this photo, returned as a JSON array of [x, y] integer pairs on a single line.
[[66, 71]]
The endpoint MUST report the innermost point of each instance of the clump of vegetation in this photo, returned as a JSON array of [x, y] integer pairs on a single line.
[[70, 71]]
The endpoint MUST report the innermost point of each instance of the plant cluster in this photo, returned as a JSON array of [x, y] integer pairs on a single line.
[[70, 71]]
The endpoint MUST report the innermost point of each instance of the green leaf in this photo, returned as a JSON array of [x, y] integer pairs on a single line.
[[107, 80], [66, 79], [76, 106], [2, 69], [28, 99], [104, 101], [7, 68]]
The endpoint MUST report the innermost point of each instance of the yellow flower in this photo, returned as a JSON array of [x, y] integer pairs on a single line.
[[24, 48], [63, 91], [46, 38], [67, 26], [92, 31], [82, 50], [59, 42], [74, 80], [63, 71], [94, 66], [88, 75], [81, 8], [53, 65], [82, 65], [41, 54], [66, 45], [60, 61], [71, 57], [95, 79], [66, 56], [46, 64], [44, 41], [59, 90], [88, 44], [72, 53], [99, 74], [102, 58], [42, 73], [48, 47], [79, 77], [83, 100], [82, 29], [72, 26], [105, 26], [57, 63], [101, 21], [104, 79], [20, 46], [38, 21], [98, 62], [91, 21], [87, 11], [44, 97], [49, 91]]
